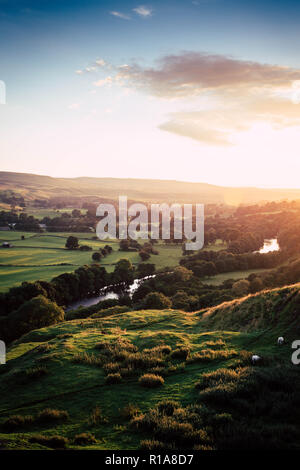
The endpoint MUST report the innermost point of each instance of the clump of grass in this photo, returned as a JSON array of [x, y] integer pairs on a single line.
[[220, 376], [36, 372], [96, 417], [17, 421], [208, 355], [167, 407], [130, 411], [85, 438], [45, 347], [218, 344], [112, 367], [113, 378], [180, 353], [50, 414], [152, 445], [160, 349], [88, 359], [54, 442], [151, 381]]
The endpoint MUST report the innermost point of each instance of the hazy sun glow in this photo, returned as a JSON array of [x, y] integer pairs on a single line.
[[106, 104]]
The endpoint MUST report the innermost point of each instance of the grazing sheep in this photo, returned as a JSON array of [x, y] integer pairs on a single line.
[[255, 358], [280, 340]]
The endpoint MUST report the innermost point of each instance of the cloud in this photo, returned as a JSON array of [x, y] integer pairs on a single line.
[[193, 73], [100, 62], [222, 96], [143, 11], [118, 14], [104, 81], [218, 125]]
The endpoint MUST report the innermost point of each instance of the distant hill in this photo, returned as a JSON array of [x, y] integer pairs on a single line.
[[37, 186]]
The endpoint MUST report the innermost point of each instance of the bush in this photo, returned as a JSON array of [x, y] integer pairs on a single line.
[[167, 407], [85, 248], [17, 421], [49, 414], [33, 314], [151, 381], [180, 353], [54, 442], [130, 411], [113, 378], [156, 300], [88, 359], [152, 445], [84, 438], [96, 417]]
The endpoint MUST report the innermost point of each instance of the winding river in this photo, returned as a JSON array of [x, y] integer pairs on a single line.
[[108, 292], [270, 245]]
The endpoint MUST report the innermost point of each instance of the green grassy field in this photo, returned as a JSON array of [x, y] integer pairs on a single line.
[[74, 376], [220, 278], [40, 256]]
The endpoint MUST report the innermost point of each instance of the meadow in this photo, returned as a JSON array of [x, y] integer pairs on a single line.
[[43, 256], [77, 384]]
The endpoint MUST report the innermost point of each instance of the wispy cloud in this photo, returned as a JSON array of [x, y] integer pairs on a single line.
[[222, 95], [143, 11], [193, 73], [104, 81], [119, 14]]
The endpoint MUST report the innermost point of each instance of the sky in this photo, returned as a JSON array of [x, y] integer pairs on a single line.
[[203, 90]]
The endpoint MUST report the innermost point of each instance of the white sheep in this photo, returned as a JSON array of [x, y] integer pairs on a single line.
[[280, 340], [255, 358]]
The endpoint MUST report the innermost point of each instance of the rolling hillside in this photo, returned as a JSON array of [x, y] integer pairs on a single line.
[[36, 186], [77, 384]]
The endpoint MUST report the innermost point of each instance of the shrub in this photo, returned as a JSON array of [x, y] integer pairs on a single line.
[[130, 411], [152, 445], [50, 414], [180, 353], [113, 378], [167, 407], [17, 421], [38, 312], [156, 300], [84, 438], [54, 442], [151, 380], [88, 359], [207, 355], [96, 417]]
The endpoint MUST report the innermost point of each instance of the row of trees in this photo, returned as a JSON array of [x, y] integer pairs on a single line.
[[68, 287], [210, 263]]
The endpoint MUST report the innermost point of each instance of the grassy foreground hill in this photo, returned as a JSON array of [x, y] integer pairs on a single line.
[[78, 384]]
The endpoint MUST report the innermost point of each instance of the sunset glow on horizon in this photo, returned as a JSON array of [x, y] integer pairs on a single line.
[[167, 90]]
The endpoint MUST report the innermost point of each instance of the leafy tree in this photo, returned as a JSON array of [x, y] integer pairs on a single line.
[[144, 255], [146, 269], [156, 300], [36, 313], [241, 287], [96, 256], [124, 245], [123, 272], [72, 243]]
